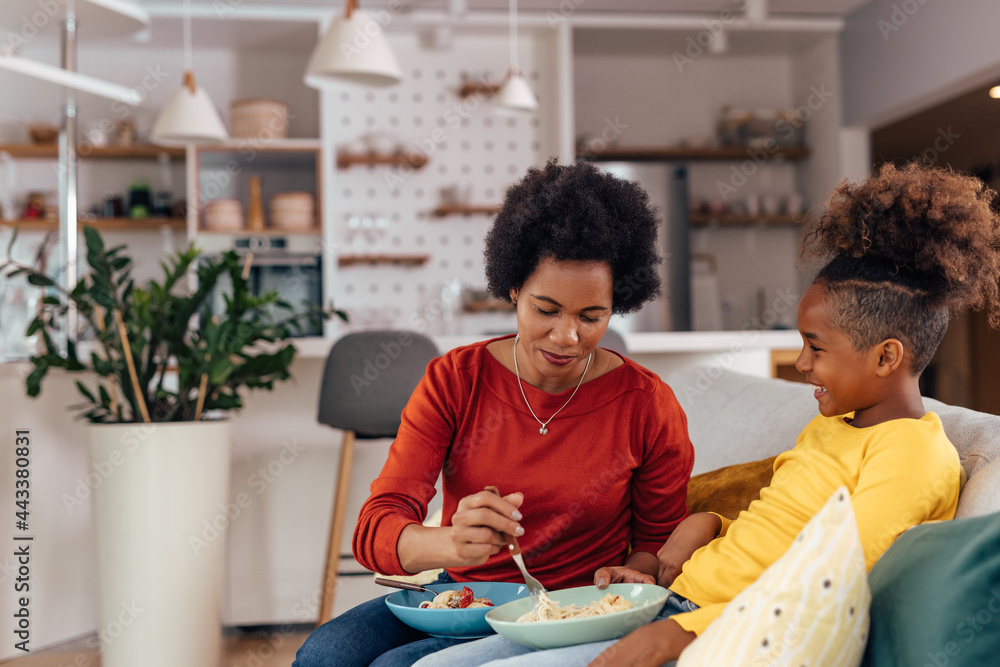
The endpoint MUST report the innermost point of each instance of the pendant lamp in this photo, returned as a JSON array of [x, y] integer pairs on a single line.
[[189, 116], [354, 49], [515, 94]]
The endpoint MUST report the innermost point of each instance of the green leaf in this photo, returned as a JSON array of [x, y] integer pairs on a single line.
[[35, 326], [40, 280], [220, 370], [33, 383], [86, 392], [95, 245], [105, 397]]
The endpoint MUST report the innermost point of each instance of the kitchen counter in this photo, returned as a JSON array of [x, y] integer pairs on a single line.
[[662, 352]]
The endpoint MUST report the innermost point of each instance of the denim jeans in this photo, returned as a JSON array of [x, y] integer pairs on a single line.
[[369, 634], [498, 651]]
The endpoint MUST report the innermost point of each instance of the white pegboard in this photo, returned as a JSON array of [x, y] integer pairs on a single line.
[[468, 145]]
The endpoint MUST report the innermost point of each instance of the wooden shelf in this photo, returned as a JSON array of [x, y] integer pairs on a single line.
[[729, 220], [445, 210], [267, 231], [88, 151], [124, 224], [414, 160], [471, 88], [679, 153], [264, 146], [401, 260], [491, 306]]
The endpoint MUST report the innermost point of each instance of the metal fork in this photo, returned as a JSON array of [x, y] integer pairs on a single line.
[[535, 588]]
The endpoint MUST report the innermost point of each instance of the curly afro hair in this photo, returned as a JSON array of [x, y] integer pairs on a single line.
[[575, 212], [902, 250]]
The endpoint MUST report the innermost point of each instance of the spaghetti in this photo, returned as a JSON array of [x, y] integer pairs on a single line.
[[549, 610]]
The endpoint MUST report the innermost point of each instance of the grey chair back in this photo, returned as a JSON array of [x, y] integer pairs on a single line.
[[612, 340], [368, 379]]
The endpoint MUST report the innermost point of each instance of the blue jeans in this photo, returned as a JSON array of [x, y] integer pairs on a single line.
[[367, 635], [498, 651]]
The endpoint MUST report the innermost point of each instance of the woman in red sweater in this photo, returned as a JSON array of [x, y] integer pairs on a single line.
[[591, 449]]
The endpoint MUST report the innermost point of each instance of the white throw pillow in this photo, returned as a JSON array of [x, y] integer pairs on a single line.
[[808, 609]]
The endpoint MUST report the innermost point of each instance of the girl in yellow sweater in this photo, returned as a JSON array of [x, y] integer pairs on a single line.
[[898, 253]]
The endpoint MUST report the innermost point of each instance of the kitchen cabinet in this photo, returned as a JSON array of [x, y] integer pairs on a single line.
[[225, 171]]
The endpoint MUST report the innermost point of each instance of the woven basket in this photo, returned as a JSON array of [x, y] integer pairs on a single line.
[[223, 215], [258, 119], [293, 210]]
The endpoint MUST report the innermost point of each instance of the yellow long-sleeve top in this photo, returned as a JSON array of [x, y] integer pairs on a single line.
[[900, 473]]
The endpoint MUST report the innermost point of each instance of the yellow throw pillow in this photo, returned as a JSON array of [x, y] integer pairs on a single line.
[[809, 608], [730, 490]]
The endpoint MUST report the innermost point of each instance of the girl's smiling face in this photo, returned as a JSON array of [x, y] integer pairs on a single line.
[[563, 310], [844, 377]]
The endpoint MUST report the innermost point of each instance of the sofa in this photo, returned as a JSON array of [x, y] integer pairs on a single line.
[[935, 594]]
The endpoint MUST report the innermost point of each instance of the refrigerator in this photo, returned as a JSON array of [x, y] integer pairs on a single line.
[[667, 186]]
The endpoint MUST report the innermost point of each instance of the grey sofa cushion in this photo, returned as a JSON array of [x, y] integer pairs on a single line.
[[735, 418]]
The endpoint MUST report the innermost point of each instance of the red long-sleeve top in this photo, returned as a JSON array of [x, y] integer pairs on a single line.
[[610, 475]]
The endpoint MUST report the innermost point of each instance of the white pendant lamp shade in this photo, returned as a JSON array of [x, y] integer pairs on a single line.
[[189, 118], [354, 49], [515, 94]]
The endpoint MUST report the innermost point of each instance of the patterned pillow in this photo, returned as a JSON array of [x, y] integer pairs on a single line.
[[809, 608]]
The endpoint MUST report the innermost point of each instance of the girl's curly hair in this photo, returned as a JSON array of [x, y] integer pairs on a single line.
[[575, 212], [902, 250]]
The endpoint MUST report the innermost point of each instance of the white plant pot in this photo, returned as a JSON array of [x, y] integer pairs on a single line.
[[160, 515]]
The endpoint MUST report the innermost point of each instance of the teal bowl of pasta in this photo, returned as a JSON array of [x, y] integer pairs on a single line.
[[630, 606], [464, 623]]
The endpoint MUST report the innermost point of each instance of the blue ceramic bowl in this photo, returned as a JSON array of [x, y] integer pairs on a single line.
[[466, 623]]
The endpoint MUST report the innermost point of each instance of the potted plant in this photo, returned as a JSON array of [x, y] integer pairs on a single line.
[[160, 372]]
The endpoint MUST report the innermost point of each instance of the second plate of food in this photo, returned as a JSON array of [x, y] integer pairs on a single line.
[[643, 602]]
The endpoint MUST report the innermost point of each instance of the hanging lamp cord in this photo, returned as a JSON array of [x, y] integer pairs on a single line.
[[513, 37]]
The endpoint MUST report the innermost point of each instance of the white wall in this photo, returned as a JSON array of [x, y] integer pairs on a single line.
[[901, 56], [468, 145]]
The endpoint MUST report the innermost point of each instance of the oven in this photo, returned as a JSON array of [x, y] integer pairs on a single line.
[[290, 266]]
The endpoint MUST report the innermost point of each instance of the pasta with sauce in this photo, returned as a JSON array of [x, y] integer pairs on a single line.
[[460, 599]]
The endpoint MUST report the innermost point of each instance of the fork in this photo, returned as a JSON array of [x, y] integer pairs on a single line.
[[535, 588]]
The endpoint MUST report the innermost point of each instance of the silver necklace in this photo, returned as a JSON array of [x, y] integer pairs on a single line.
[[544, 429]]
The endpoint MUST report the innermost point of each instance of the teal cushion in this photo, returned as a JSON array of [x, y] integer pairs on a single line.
[[936, 597]]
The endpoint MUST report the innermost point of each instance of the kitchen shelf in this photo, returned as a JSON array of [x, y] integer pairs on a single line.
[[44, 225], [471, 88], [690, 154], [445, 210], [491, 306], [88, 151], [401, 260], [729, 220], [414, 160], [267, 231]]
